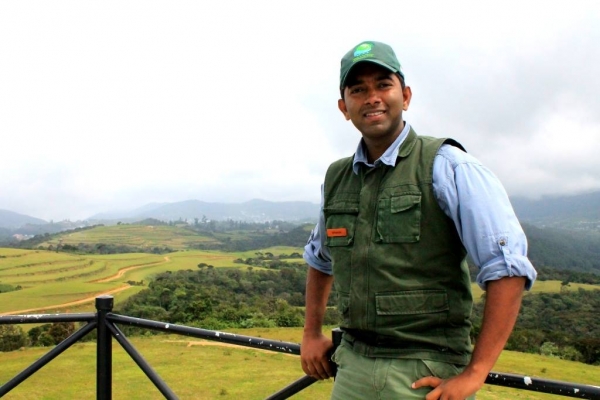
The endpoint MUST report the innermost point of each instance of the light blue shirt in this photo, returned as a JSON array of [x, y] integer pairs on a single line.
[[469, 194]]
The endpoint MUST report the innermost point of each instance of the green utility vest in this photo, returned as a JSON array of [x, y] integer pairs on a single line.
[[400, 273]]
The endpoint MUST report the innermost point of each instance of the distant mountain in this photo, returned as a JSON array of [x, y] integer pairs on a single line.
[[127, 214], [574, 212], [250, 211], [564, 249], [11, 220]]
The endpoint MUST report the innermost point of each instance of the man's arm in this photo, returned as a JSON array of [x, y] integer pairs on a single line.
[[315, 345], [503, 300]]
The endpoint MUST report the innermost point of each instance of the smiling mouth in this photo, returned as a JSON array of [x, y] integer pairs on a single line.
[[373, 114]]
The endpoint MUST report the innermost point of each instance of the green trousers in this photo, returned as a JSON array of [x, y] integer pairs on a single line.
[[366, 378]]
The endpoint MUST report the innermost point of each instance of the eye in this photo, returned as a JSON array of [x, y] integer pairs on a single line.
[[356, 89]]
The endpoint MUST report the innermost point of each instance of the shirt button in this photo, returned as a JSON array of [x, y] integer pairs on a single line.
[[502, 242]]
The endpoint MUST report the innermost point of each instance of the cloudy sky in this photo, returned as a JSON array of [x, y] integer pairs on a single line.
[[112, 105]]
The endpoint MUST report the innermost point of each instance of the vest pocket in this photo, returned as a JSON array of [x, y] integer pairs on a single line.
[[421, 311], [339, 224], [399, 219]]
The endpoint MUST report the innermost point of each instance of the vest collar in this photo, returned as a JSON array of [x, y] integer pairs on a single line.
[[408, 144], [390, 156]]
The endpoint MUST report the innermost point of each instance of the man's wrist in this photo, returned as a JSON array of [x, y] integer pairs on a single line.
[[312, 332], [477, 371]]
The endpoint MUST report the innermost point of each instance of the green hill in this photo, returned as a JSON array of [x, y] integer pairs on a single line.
[[138, 236], [163, 238], [40, 280]]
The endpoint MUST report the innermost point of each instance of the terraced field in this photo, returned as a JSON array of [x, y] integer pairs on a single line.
[[53, 282], [146, 236]]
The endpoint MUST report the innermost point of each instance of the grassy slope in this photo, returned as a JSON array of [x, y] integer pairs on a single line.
[[174, 237], [211, 369], [50, 279], [541, 287], [211, 372]]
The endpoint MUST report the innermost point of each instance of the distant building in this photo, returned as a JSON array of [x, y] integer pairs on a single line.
[[19, 236]]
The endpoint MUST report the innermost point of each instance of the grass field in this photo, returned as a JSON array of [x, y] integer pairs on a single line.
[[62, 282], [174, 237], [541, 287], [55, 282], [196, 369]]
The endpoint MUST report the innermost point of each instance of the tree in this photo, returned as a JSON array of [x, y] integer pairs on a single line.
[[59, 331], [549, 349], [11, 337]]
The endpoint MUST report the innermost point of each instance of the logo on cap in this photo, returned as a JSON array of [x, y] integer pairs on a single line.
[[362, 49]]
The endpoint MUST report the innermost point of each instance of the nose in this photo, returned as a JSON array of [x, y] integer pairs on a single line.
[[372, 96]]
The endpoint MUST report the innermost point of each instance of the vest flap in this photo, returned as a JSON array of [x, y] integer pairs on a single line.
[[412, 302], [404, 202]]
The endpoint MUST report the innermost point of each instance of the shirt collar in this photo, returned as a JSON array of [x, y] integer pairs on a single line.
[[389, 157]]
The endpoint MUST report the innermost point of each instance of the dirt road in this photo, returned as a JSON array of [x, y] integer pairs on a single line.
[[124, 270], [92, 298]]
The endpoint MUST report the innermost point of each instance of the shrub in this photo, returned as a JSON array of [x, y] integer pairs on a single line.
[[12, 338]]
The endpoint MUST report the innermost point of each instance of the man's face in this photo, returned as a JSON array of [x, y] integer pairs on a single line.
[[374, 101]]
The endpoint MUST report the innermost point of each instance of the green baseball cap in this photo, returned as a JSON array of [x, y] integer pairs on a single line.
[[369, 51]]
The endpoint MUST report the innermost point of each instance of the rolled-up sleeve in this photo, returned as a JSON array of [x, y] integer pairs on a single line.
[[316, 254], [473, 197]]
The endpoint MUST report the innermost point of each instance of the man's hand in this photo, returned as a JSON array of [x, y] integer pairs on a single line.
[[457, 388], [315, 346], [502, 304], [314, 355]]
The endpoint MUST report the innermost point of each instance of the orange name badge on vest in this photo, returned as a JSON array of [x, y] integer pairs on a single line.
[[337, 232]]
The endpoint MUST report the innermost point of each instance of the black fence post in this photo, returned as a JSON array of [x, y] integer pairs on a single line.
[[104, 305]]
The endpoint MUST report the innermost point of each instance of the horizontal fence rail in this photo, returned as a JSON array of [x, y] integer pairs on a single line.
[[559, 388], [225, 337], [104, 320]]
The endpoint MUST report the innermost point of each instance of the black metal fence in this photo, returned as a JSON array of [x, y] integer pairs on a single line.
[[103, 321]]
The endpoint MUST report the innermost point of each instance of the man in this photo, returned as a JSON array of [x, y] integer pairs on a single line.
[[397, 221]]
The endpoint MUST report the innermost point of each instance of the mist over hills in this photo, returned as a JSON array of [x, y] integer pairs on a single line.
[[10, 219], [562, 232], [251, 211], [576, 212], [570, 212]]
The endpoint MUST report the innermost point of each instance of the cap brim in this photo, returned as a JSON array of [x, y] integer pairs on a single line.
[[381, 63]]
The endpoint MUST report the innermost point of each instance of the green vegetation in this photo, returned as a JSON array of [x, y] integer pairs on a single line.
[[563, 325], [12, 337], [258, 286], [200, 369], [564, 249], [153, 236], [4, 288], [51, 281], [223, 299]]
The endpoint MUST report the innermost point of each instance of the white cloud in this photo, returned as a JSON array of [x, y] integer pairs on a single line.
[[114, 105]]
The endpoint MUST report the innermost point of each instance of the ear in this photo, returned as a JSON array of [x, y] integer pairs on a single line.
[[407, 95], [343, 109]]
